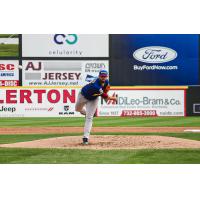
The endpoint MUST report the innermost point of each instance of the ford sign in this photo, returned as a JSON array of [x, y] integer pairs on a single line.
[[155, 54]]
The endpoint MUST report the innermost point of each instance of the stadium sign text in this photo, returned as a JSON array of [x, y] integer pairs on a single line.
[[7, 109], [8, 67], [61, 76], [155, 54], [41, 95]]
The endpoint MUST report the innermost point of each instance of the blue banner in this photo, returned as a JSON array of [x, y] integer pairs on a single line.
[[155, 59]]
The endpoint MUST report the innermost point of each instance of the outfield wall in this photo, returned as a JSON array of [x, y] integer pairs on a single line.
[[132, 59], [60, 102], [70, 60]]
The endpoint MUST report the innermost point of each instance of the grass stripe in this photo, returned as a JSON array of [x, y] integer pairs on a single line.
[[102, 121], [72, 156]]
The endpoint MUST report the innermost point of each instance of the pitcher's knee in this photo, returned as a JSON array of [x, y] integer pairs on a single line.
[[89, 117]]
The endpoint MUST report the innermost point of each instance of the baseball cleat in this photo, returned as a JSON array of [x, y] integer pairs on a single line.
[[85, 141]]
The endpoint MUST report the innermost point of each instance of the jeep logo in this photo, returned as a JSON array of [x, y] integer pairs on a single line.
[[7, 109], [155, 54]]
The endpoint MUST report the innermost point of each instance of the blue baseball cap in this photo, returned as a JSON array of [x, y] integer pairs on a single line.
[[103, 73]]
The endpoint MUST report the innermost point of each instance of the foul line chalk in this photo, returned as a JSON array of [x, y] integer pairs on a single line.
[[192, 130]]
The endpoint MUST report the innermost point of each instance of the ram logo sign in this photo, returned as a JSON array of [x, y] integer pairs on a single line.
[[155, 54]]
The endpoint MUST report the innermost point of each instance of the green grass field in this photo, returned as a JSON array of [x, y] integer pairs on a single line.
[[75, 156], [11, 50], [8, 35], [100, 121]]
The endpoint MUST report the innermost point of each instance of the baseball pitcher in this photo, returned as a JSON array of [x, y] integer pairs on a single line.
[[88, 100]]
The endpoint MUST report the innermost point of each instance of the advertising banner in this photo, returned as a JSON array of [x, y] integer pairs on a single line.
[[193, 101], [144, 103], [38, 102], [61, 73], [9, 73], [155, 59], [65, 45]]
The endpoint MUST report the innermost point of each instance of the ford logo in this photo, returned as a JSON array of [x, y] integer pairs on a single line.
[[155, 54]]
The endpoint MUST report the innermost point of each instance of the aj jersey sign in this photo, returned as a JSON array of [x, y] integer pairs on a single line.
[[61, 73]]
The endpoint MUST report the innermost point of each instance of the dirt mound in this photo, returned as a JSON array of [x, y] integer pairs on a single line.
[[47, 130], [110, 142]]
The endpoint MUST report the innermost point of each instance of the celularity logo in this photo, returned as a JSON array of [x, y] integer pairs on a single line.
[[66, 45], [69, 39]]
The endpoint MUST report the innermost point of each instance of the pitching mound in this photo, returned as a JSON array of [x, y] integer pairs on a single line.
[[110, 142]]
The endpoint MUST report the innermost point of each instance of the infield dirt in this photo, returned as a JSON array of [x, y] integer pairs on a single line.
[[109, 142]]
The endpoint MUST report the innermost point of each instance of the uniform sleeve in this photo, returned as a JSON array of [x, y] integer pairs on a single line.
[[105, 91], [106, 88]]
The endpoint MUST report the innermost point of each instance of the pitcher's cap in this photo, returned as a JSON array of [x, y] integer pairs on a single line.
[[103, 73]]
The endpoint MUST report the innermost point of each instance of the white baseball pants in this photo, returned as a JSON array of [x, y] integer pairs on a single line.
[[88, 108]]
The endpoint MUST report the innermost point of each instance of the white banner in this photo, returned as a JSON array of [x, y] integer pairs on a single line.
[[144, 103], [61, 73], [65, 45], [38, 102]]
